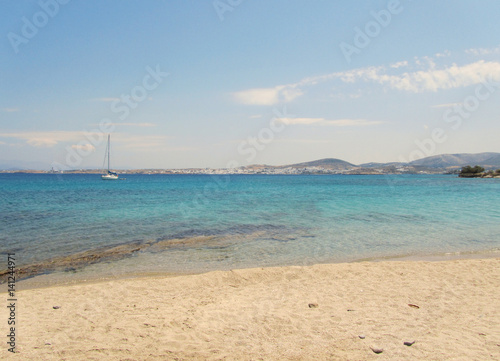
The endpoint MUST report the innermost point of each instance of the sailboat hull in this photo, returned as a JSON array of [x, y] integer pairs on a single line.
[[109, 177]]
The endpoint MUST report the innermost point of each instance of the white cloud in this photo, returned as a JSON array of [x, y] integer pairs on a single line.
[[10, 110], [446, 105], [426, 76], [268, 96], [444, 54], [352, 122], [432, 79], [41, 142], [105, 99], [81, 140], [325, 122], [83, 147], [306, 121], [399, 64], [483, 51], [289, 93], [45, 139], [136, 124], [261, 96]]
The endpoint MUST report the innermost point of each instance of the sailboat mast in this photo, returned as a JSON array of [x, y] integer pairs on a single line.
[[108, 152], [109, 175]]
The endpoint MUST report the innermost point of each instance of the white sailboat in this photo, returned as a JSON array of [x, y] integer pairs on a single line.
[[108, 175]]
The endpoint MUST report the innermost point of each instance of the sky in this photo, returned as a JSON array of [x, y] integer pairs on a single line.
[[227, 83]]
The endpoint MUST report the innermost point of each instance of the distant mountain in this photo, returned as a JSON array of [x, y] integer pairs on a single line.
[[444, 163], [379, 165], [494, 161], [330, 163], [436, 163], [459, 160]]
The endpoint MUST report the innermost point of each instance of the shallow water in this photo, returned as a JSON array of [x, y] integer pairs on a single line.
[[197, 223]]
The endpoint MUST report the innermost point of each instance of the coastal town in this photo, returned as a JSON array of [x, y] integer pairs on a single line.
[[440, 164], [265, 170]]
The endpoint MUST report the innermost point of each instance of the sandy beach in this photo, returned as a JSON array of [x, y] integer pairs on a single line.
[[447, 310]]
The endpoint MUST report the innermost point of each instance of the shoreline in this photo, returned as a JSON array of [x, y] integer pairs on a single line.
[[58, 278], [325, 311]]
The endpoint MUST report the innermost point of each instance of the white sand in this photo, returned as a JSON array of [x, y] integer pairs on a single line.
[[263, 314]]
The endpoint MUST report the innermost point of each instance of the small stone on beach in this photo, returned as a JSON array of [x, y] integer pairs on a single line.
[[56, 307], [408, 343], [377, 350], [413, 306], [313, 305], [362, 337]]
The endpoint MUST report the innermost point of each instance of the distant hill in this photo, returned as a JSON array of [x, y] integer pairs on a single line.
[[331, 163], [444, 163], [379, 165], [459, 160], [494, 161], [436, 163]]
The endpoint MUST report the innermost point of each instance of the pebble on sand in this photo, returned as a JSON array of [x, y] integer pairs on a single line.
[[313, 305], [56, 307], [377, 350], [408, 343], [362, 337]]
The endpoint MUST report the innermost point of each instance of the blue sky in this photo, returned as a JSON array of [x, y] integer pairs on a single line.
[[204, 83]]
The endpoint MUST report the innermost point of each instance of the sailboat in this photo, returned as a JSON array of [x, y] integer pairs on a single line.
[[109, 175]]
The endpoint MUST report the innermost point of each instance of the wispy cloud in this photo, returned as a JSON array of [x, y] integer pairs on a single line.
[[84, 147], [483, 51], [446, 105], [105, 99], [433, 80], [399, 64], [135, 124], [80, 139], [45, 139], [444, 54], [268, 96], [326, 122], [10, 110], [421, 75]]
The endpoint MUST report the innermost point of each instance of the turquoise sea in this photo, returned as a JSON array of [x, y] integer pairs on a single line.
[[198, 223]]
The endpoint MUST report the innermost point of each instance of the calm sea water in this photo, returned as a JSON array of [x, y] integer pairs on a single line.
[[221, 222]]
